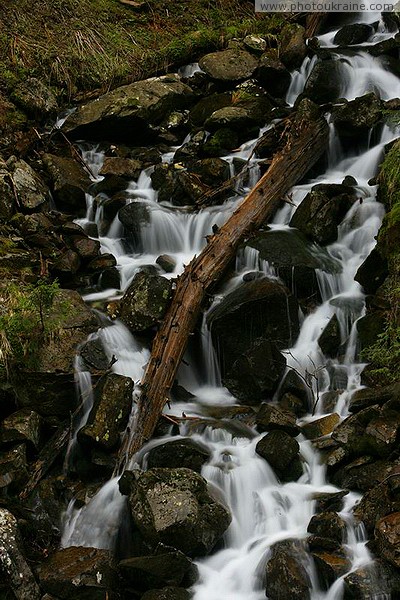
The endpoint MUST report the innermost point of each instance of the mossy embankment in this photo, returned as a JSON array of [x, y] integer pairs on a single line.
[[81, 45], [384, 354]]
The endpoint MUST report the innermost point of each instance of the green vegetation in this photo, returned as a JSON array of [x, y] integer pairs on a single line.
[[81, 45], [384, 355], [25, 318]]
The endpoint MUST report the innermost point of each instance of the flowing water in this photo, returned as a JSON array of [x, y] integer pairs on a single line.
[[263, 509]]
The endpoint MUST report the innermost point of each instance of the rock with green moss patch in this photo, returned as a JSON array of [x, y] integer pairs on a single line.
[[110, 412], [145, 301], [173, 506], [23, 425], [221, 142], [32, 193], [126, 113], [35, 98]]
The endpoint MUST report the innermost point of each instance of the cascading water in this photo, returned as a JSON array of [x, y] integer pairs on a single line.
[[263, 509]]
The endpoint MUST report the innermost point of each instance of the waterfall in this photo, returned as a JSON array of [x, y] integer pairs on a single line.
[[264, 510]]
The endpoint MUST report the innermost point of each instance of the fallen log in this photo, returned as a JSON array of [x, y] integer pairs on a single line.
[[304, 140]]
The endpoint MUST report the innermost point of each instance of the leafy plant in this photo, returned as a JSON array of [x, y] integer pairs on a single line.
[[24, 320]]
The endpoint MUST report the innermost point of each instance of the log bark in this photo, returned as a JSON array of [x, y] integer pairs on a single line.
[[304, 142]]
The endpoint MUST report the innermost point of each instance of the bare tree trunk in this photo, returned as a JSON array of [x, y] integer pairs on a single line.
[[305, 141]]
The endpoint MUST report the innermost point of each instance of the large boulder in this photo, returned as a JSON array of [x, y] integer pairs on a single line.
[[372, 272], [15, 570], [324, 82], [356, 117], [79, 573], [363, 473], [145, 301], [322, 210], [173, 506], [127, 112], [229, 65], [330, 339], [22, 426], [328, 525], [270, 418], [110, 412], [286, 572], [262, 308], [287, 465], [69, 182]]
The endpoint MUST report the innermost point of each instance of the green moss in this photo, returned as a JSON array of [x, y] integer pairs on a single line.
[[384, 354]]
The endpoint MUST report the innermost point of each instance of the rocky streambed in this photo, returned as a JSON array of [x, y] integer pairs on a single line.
[[277, 456]]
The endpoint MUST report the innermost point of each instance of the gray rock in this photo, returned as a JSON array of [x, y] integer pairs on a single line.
[[293, 48], [255, 43], [128, 168], [173, 506], [321, 211], [273, 74], [166, 262], [33, 194], [15, 570], [371, 581], [229, 65], [23, 425], [255, 375], [330, 339], [234, 117]]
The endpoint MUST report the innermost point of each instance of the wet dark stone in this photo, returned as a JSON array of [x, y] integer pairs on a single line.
[[373, 271], [178, 453], [357, 116], [378, 502], [173, 506], [168, 593], [363, 473], [372, 581], [145, 301], [271, 417], [167, 567], [330, 566], [79, 573], [323, 84], [328, 502], [287, 465], [387, 537], [328, 525], [330, 339], [356, 33], [255, 375], [286, 573]]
